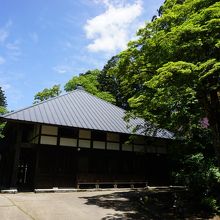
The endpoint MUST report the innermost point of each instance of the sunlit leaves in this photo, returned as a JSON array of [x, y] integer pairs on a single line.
[[89, 81], [47, 93], [3, 110], [3, 101]]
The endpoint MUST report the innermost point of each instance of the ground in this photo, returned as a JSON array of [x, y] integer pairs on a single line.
[[97, 205]]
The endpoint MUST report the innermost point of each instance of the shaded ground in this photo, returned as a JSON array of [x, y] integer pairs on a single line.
[[149, 204], [97, 205]]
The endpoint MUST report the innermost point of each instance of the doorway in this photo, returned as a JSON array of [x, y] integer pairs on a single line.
[[25, 176]]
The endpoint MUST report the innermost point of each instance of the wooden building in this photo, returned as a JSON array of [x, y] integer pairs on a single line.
[[77, 139]]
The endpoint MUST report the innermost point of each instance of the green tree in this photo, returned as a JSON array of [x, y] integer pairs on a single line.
[[171, 74], [172, 71], [47, 93], [2, 124], [90, 83], [110, 82], [3, 101], [3, 104]]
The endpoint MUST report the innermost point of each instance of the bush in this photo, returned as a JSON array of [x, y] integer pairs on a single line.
[[210, 204], [202, 177]]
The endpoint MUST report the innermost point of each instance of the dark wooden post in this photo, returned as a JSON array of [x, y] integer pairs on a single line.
[[16, 151], [77, 162], [36, 149]]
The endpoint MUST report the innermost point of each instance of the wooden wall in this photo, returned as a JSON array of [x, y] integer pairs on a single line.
[[61, 157]]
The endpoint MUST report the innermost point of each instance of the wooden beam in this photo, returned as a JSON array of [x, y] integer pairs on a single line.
[[16, 151]]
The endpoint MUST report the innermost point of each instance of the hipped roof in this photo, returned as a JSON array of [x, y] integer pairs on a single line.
[[81, 109]]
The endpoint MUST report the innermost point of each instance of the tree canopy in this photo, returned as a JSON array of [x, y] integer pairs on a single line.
[[172, 77], [47, 93], [171, 73], [89, 80], [111, 82], [3, 105], [3, 101]]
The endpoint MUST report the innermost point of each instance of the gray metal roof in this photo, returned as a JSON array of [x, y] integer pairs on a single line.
[[82, 110]]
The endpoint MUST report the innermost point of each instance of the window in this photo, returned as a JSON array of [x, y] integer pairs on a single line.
[[48, 140], [99, 144], [84, 143], [85, 134], [49, 130], [139, 148], [113, 146], [113, 137], [127, 147], [68, 142]]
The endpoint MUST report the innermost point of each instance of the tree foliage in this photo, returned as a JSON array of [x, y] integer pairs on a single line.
[[89, 80], [111, 83], [3, 101], [171, 73], [195, 167], [47, 93], [2, 124], [3, 104]]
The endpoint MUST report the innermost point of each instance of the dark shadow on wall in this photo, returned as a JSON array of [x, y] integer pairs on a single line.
[[162, 204]]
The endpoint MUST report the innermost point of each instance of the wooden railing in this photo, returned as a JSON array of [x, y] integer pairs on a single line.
[[99, 180]]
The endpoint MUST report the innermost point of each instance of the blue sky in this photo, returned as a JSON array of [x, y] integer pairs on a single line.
[[47, 42]]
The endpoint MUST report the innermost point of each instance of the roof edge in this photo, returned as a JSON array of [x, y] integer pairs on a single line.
[[39, 103]]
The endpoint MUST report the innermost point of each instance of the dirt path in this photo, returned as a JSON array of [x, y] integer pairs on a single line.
[[96, 205], [56, 206]]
